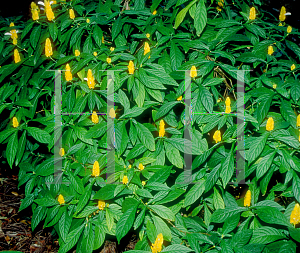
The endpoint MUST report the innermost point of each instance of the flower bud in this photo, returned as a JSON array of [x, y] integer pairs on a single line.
[[270, 124], [295, 215], [48, 9], [141, 166], [217, 136], [62, 152], [125, 180], [146, 48], [77, 52], [71, 14], [90, 79], [289, 29], [131, 67], [252, 13], [247, 199], [68, 74], [101, 204], [17, 57], [96, 169], [293, 67], [112, 113], [193, 72], [282, 14], [108, 60], [48, 48], [95, 118], [61, 199], [161, 128], [15, 122], [270, 50]]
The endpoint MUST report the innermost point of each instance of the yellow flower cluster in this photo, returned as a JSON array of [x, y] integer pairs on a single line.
[[15, 122], [193, 72], [293, 67], [61, 199], [95, 118], [154, 12], [71, 14], [90, 79], [161, 128], [157, 245], [270, 50], [125, 180], [220, 5], [146, 49], [108, 60], [282, 14], [96, 169], [112, 113], [247, 199], [270, 124], [141, 166], [131, 68], [227, 104], [289, 29], [34, 11], [252, 14], [48, 9], [217, 136], [14, 34], [101, 204], [295, 215], [48, 48], [77, 52], [17, 57], [62, 152], [68, 73]]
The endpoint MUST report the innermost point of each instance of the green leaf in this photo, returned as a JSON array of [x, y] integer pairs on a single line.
[[227, 169], [200, 17], [256, 147], [176, 248], [154, 5], [27, 201], [46, 168], [180, 16], [39, 134], [99, 237], [106, 192], [64, 225], [287, 113], [161, 175], [6, 133], [116, 28], [35, 36], [263, 107], [37, 216], [109, 219], [212, 178], [295, 233], [206, 99], [166, 107], [162, 227], [97, 35], [194, 193], [86, 211], [136, 151], [83, 200], [125, 222], [72, 239], [221, 215], [149, 81], [145, 136], [218, 200], [173, 155], [12, 148], [296, 187], [272, 215], [176, 56], [53, 30], [163, 212], [266, 235]]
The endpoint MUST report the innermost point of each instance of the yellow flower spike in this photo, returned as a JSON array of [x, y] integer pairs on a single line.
[[179, 98], [90, 79], [282, 14], [129, 166], [48, 48], [193, 72], [247, 199], [34, 11], [96, 169], [13, 32], [227, 103], [280, 24], [270, 50], [227, 109], [141, 166], [102, 39], [48, 9], [108, 60], [112, 49], [68, 73], [88, 20], [289, 29], [17, 57], [293, 67], [252, 14], [270, 124], [61, 199], [148, 35], [146, 48], [295, 215], [71, 14], [143, 183], [101, 204], [274, 86], [298, 120], [157, 245], [221, 3], [125, 180], [154, 12], [77, 52], [11, 24], [15, 41], [95, 118], [218, 8], [217, 136], [131, 67], [161, 128], [15, 122], [95, 54], [112, 113], [62, 152]]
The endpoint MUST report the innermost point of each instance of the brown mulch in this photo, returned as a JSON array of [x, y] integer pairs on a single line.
[[15, 226]]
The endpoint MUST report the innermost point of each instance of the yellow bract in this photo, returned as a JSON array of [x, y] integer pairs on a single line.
[[146, 48], [148, 35], [77, 52], [17, 57], [102, 39], [247, 199], [270, 124], [154, 12], [62, 152], [13, 32], [34, 11], [289, 29], [141, 166], [101, 204], [125, 180], [157, 245], [96, 169], [90, 79], [87, 20], [15, 41], [274, 86], [15, 122], [179, 98], [108, 60], [131, 67], [217, 136], [112, 113], [227, 104], [282, 14], [298, 120], [161, 128], [48, 9], [95, 118], [295, 215], [129, 166], [95, 54], [48, 48], [252, 13], [193, 72], [71, 14], [280, 24], [143, 183], [270, 50], [61, 199], [112, 49], [293, 67], [68, 73]]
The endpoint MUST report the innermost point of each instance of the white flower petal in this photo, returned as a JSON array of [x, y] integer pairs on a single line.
[[41, 3], [51, 2], [288, 13], [42, 8], [7, 33], [85, 79]]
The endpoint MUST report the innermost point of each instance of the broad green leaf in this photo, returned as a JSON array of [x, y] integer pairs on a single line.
[[256, 147], [194, 193], [12, 148], [181, 15], [145, 136], [221, 215], [266, 235], [72, 239], [39, 134], [272, 215], [200, 17], [163, 212]]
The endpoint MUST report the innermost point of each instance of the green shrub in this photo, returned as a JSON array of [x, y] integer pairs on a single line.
[[151, 51]]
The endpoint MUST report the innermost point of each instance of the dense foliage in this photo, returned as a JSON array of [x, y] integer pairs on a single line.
[[154, 50]]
